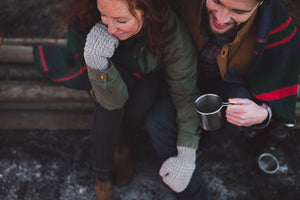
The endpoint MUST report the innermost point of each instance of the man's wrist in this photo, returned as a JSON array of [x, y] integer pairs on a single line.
[[266, 122]]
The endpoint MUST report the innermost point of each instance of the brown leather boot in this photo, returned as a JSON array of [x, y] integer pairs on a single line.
[[104, 190], [123, 165]]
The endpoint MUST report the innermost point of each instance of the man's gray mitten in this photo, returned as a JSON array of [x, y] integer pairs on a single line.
[[99, 46], [177, 171]]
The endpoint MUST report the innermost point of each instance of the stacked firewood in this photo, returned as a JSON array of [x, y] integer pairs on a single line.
[[29, 101]]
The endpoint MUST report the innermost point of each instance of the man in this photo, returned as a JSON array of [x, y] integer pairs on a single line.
[[248, 53]]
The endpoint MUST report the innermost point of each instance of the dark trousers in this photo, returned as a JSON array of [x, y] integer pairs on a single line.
[[112, 127], [161, 127]]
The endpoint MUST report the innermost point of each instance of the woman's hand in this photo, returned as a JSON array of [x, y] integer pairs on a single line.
[[245, 112], [99, 46]]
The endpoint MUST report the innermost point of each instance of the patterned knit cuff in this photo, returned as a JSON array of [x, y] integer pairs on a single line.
[[265, 123]]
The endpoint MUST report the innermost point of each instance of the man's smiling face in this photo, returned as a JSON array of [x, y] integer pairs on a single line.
[[226, 14]]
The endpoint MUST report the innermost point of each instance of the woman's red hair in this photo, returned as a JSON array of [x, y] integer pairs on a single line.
[[86, 14]]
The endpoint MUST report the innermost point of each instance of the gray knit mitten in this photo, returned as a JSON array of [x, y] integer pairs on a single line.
[[177, 171], [99, 46]]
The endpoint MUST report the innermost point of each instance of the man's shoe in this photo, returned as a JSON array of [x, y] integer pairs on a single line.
[[123, 165], [104, 190]]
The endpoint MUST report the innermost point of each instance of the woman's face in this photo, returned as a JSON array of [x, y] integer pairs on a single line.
[[116, 15], [226, 14]]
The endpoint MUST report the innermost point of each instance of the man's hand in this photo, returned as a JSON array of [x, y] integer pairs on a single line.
[[177, 171], [245, 112]]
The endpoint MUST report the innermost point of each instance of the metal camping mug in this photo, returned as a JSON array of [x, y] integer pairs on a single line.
[[208, 107], [268, 163]]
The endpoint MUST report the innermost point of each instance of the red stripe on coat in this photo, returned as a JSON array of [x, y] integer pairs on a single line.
[[281, 27], [137, 75], [70, 77], [43, 59], [281, 41], [278, 94]]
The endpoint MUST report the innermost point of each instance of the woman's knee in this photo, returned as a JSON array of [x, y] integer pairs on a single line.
[[152, 127]]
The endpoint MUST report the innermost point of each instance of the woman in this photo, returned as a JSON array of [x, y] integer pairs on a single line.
[[135, 42]]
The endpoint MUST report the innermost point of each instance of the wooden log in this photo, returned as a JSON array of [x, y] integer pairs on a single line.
[[45, 120], [34, 41], [47, 106], [19, 50], [14, 71], [54, 120], [16, 54], [27, 91]]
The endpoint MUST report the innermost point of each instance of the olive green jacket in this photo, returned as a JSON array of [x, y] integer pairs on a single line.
[[179, 60]]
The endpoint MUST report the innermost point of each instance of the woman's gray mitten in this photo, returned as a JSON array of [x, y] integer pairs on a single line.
[[99, 46], [177, 171]]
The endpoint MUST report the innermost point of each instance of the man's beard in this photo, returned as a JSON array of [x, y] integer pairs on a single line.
[[235, 27]]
